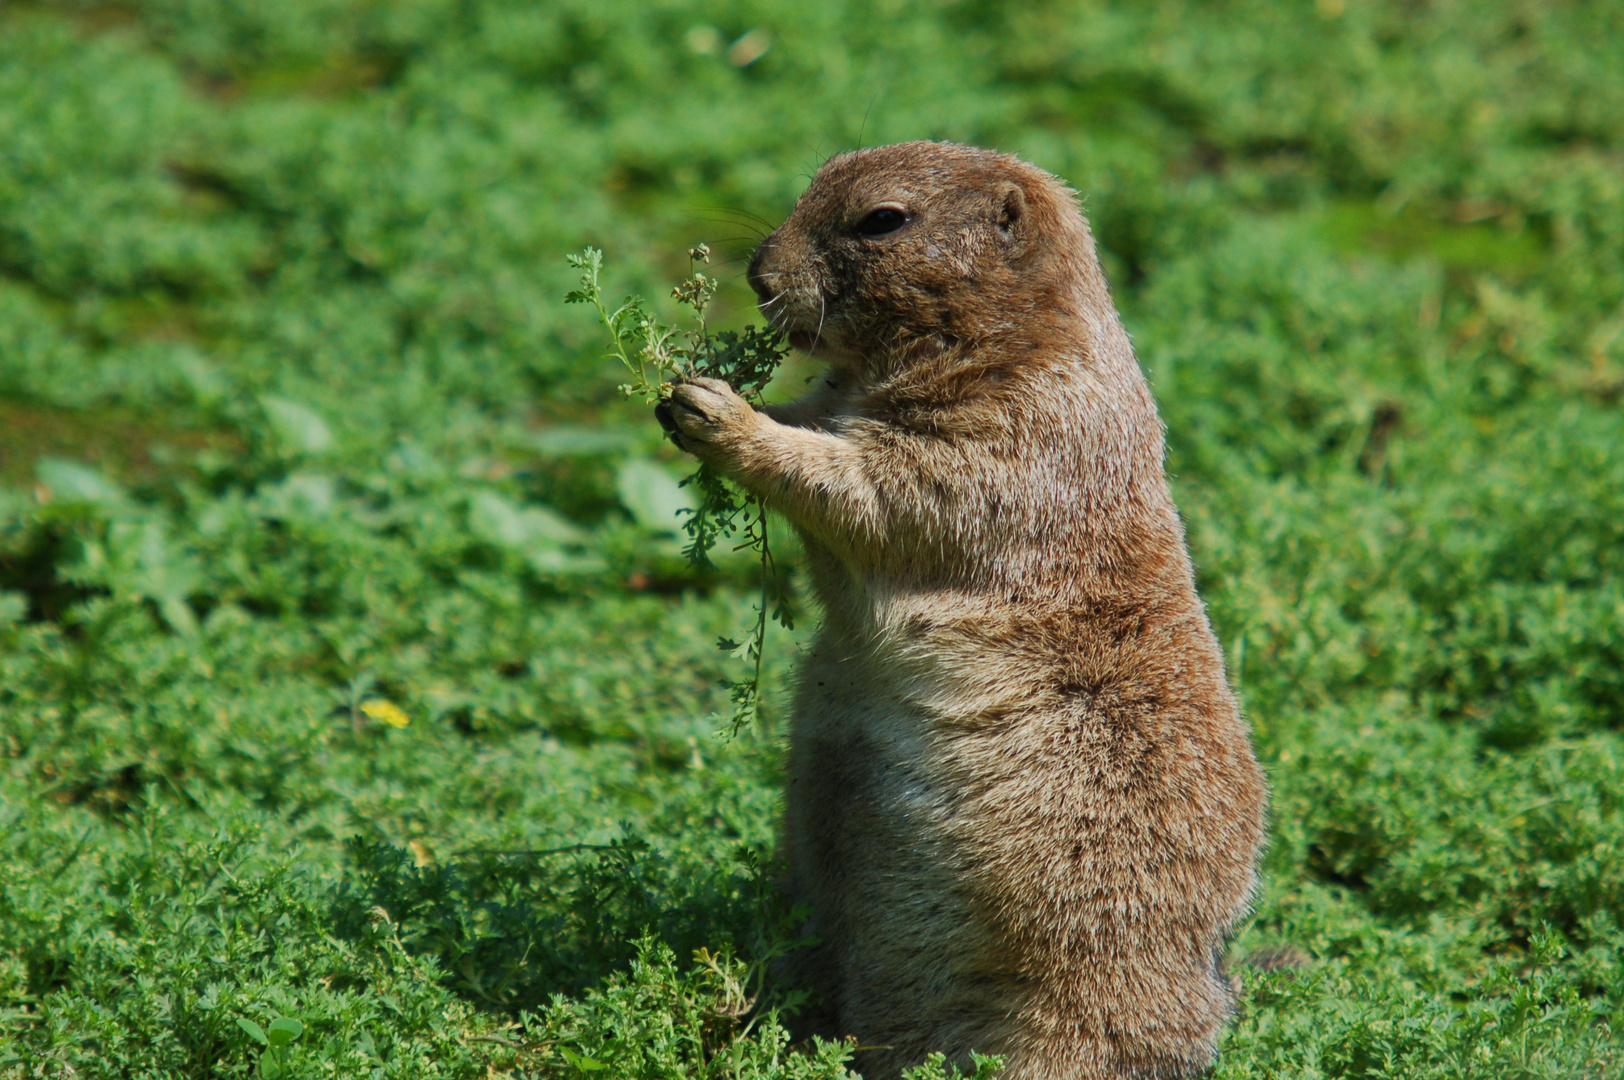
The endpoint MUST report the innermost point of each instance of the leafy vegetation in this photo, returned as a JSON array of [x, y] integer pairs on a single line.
[[351, 674]]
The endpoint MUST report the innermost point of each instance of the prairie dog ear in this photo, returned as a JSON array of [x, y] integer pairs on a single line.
[[1010, 210]]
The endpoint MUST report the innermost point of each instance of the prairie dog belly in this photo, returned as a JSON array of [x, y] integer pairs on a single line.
[[871, 848]]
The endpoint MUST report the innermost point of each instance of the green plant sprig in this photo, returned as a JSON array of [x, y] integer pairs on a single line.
[[657, 355], [275, 1038]]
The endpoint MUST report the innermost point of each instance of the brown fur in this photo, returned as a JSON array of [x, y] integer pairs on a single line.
[[1023, 806]]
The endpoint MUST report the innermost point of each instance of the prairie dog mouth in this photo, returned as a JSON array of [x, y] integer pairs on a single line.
[[802, 340]]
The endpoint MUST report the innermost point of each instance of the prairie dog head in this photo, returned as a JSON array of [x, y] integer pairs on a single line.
[[924, 245]]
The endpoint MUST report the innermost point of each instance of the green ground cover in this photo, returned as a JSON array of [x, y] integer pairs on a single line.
[[298, 442]]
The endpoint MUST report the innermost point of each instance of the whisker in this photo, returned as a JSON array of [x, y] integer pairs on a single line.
[[774, 318], [866, 111], [731, 211], [823, 309], [750, 240], [745, 216], [758, 226]]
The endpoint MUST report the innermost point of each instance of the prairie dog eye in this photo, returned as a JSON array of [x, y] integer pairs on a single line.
[[879, 222]]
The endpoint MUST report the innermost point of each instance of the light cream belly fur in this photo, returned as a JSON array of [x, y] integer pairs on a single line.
[[874, 841]]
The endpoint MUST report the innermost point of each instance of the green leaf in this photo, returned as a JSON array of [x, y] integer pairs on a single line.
[[283, 1030], [255, 1032], [296, 426], [564, 441], [549, 563], [269, 1067], [70, 482], [300, 496], [13, 608], [177, 615], [652, 495], [495, 519], [581, 1061]]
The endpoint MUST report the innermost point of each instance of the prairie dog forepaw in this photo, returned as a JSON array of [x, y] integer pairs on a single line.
[[705, 417]]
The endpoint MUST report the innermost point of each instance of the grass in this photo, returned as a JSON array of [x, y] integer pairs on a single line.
[[299, 441]]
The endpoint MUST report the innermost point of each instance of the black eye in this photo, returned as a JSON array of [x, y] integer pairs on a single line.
[[887, 219]]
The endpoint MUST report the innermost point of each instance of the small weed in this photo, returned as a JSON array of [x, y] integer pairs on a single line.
[[275, 1037], [655, 353]]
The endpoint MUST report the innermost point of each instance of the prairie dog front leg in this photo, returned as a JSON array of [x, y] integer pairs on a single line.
[[813, 409], [816, 479]]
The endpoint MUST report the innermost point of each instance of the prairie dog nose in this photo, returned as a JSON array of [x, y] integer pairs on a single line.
[[758, 276]]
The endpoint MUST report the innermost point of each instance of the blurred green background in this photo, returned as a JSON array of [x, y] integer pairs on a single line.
[[349, 671]]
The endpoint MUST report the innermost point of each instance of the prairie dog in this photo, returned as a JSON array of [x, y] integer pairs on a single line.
[[1023, 805]]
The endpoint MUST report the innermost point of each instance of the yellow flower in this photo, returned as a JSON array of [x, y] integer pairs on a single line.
[[387, 711], [421, 855]]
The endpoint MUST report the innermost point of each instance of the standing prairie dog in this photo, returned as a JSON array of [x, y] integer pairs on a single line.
[[1023, 806]]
